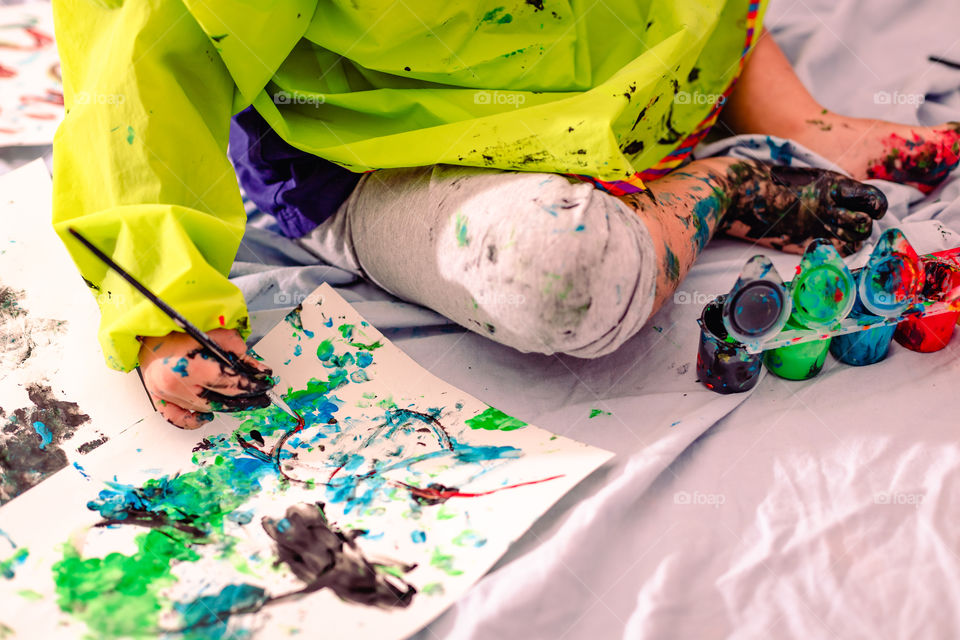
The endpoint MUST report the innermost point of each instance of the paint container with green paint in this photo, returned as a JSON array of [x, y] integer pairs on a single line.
[[824, 291], [797, 361]]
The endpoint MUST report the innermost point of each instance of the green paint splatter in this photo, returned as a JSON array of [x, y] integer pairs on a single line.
[[444, 562], [119, 595], [325, 350], [129, 135], [460, 230], [469, 537], [599, 412], [432, 589], [495, 420], [445, 514], [346, 330], [29, 594], [8, 566], [493, 16], [367, 347]]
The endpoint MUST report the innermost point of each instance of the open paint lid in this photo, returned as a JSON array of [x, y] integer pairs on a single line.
[[758, 305], [824, 290], [892, 277]]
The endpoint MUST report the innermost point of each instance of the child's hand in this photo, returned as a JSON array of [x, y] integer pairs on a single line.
[[186, 382], [787, 207]]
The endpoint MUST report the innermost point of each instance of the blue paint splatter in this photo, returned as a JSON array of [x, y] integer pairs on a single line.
[[364, 358], [297, 350], [780, 153], [45, 436], [181, 367], [704, 212], [208, 617], [80, 469], [418, 536]]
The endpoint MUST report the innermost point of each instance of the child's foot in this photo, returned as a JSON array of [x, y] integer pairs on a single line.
[[917, 156]]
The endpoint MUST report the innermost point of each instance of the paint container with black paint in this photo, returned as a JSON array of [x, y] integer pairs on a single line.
[[758, 305], [932, 333], [723, 364]]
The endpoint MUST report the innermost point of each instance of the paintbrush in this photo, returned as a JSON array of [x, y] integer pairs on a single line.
[[227, 358], [944, 62]]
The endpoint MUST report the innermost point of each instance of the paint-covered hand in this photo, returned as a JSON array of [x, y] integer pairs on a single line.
[[186, 382], [786, 207]]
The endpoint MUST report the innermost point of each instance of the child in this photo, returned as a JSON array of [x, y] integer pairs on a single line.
[[533, 178]]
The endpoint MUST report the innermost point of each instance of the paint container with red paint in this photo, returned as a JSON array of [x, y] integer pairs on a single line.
[[891, 280], [723, 364], [932, 333]]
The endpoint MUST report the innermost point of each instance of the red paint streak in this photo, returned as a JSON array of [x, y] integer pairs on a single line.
[[435, 494], [919, 162], [40, 39], [52, 97], [222, 321], [7, 72], [335, 472], [837, 295], [42, 116]]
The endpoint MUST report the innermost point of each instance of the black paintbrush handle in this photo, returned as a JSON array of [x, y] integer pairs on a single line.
[[945, 62], [227, 358]]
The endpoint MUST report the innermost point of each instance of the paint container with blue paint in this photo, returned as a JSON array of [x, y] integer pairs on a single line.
[[723, 364], [758, 305], [887, 286], [932, 333], [861, 348], [891, 279]]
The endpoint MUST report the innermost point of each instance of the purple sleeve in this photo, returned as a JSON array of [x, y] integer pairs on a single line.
[[299, 189]]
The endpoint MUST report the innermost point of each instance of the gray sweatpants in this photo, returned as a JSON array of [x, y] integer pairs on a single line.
[[535, 261]]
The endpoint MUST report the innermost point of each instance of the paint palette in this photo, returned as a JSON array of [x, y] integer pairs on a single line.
[[855, 315]]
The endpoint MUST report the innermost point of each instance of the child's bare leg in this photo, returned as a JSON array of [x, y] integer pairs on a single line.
[[780, 207], [770, 99]]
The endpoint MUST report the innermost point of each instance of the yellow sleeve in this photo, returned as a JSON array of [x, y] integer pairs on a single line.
[[140, 167]]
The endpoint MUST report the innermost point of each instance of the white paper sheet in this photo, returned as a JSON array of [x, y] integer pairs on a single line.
[[422, 486]]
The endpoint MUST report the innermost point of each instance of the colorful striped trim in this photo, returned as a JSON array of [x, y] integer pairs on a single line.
[[681, 154]]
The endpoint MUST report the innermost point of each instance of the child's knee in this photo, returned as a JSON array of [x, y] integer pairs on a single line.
[[561, 268]]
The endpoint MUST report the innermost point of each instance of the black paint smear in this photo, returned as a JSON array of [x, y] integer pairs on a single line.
[[23, 464], [694, 74], [87, 447], [436, 494], [536, 4], [324, 557], [155, 520], [633, 148], [203, 445], [9, 303], [672, 136]]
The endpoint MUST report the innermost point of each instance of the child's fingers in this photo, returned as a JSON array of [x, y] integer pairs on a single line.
[[180, 417], [858, 196]]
